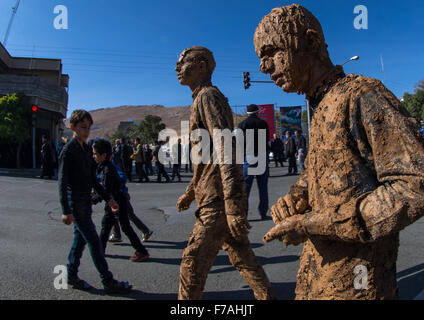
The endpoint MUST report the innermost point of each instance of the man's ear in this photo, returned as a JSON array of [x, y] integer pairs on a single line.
[[315, 43], [314, 40], [72, 127]]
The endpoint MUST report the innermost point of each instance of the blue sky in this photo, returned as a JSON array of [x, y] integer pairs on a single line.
[[124, 52]]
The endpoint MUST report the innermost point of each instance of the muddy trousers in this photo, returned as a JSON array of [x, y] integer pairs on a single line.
[[210, 234]]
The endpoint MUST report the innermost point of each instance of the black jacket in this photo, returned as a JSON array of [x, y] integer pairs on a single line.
[[277, 146], [291, 148], [255, 123], [110, 180], [77, 175]]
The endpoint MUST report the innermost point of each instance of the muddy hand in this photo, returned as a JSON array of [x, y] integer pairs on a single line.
[[239, 226], [183, 202]]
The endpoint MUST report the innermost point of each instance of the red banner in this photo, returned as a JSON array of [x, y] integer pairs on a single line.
[[266, 112]]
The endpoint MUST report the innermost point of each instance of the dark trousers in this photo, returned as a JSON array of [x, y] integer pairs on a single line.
[[292, 164], [161, 172], [262, 182], [278, 158], [128, 170], [176, 172], [133, 218], [108, 222], [148, 168], [85, 233], [140, 171], [47, 169]]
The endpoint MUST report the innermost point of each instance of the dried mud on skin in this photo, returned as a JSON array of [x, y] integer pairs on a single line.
[[364, 181]]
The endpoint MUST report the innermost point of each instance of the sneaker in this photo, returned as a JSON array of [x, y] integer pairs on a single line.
[[119, 287], [139, 257], [114, 238], [79, 284], [147, 236]]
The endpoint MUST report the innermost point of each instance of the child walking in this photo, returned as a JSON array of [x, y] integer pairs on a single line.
[[77, 178], [110, 180]]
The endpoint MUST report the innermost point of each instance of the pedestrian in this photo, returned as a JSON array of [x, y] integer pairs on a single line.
[[277, 148], [176, 153], [115, 235], [148, 156], [138, 156], [127, 151], [253, 122], [159, 166], [187, 157], [291, 151], [117, 154], [110, 180], [77, 177], [218, 189], [47, 158], [301, 150]]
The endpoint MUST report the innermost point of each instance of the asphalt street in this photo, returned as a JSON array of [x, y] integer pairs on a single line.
[[33, 241]]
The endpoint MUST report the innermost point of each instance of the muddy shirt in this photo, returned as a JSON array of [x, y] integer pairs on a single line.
[[364, 183], [217, 184]]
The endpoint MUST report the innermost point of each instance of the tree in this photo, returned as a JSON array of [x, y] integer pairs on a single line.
[[15, 122], [148, 130], [150, 127], [414, 103], [128, 134]]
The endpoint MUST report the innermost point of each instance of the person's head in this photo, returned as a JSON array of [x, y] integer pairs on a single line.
[[179, 141], [252, 110], [102, 150], [137, 141], [195, 66], [117, 142], [288, 134], [80, 123], [291, 45], [298, 133], [275, 136], [44, 138]]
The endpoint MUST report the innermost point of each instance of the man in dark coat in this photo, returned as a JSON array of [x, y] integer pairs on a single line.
[[127, 151], [253, 122], [277, 148], [291, 151], [47, 159]]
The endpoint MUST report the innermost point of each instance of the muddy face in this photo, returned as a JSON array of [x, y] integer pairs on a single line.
[[291, 45], [188, 70], [284, 67]]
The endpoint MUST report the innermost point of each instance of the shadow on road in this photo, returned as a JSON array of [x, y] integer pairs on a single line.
[[224, 260], [283, 291], [168, 244], [411, 282]]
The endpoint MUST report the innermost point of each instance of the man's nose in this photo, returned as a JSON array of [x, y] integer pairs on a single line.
[[267, 65]]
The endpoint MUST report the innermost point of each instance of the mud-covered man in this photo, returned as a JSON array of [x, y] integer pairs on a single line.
[[364, 181], [218, 189]]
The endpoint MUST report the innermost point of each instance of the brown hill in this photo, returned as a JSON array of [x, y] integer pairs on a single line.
[[106, 121]]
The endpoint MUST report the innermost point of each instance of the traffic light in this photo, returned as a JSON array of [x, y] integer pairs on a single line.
[[34, 108], [246, 80]]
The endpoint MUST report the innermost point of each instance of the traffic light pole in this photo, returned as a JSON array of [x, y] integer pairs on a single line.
[[33, 141]]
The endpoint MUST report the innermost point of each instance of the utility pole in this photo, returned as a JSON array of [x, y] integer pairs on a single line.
[[14, 10]]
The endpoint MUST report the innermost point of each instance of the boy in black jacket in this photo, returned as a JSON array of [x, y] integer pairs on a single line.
[[77, 178], [109, 178]]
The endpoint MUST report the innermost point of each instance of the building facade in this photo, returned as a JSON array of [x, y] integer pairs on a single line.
[[43, 82]]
